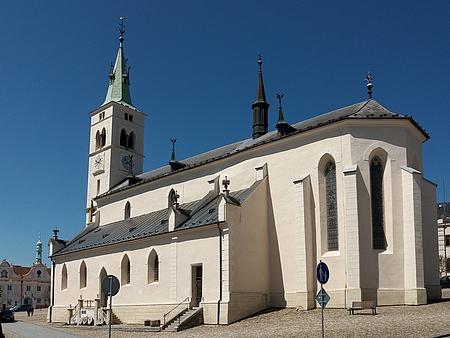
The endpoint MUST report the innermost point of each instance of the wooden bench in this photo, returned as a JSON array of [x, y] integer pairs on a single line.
[[363, 305]]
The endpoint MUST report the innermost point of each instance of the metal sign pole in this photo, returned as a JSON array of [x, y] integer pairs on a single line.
[[322, 306], [110, 306]]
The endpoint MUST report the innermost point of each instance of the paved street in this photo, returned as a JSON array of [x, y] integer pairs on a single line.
[[24, 329], [427, 321]]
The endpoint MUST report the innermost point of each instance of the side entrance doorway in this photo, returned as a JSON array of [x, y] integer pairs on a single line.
[[197, 276]]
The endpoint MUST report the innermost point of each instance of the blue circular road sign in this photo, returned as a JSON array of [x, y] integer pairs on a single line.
[[322, 273]]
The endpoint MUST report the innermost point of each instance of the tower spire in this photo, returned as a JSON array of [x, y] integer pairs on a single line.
[[282, 126], [119, 75], [260, 106], [39, 250]]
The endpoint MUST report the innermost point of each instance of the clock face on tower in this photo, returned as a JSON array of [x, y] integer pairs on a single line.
[[127, 162], [98, 162]]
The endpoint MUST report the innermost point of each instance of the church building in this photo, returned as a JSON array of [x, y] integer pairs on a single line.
[[241, 228]]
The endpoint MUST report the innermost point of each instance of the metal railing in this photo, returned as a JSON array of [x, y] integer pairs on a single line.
[[166, 315]]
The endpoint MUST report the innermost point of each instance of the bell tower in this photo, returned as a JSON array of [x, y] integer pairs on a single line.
[[116, 147]]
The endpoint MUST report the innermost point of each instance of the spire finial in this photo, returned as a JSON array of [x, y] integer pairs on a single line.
[[173, 149], [369, 85], [121, 29], [260, 62], [279, 97], [55, 233]]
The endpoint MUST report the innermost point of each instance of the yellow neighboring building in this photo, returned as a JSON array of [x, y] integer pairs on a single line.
[[25, 285]]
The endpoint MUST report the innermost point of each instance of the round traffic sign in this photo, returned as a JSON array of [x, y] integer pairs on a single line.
[[110, 285], [322, 273]]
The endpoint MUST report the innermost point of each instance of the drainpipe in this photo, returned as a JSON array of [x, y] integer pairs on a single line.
[[220, 273], [52, 300]]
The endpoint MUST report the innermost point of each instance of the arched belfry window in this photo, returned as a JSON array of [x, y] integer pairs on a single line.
[[127, 212], [123, 138], [331, 202], [153, 267], [131, 138], [103, 138], [125, 271], [97, 140], [100, 139], [376, 195]]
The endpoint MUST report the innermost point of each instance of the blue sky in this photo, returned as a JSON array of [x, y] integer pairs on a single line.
[[194, 73]]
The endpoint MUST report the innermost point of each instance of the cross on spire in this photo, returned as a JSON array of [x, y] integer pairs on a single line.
[[122, 28]]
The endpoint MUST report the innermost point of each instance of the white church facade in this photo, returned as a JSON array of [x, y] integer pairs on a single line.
[[241, 228]]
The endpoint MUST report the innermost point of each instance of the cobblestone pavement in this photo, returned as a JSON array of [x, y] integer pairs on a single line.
[[432, 320]]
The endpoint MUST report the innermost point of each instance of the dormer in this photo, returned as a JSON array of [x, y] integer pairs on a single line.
[[176, 215]]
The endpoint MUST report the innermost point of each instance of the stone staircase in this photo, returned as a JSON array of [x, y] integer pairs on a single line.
[[185, 320], [115, 319]]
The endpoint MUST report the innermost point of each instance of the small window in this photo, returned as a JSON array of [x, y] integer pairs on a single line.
[[126, 116], [130, 118], [127, 213], [447, 240], [28, 288], [9, 287], [38, 288]]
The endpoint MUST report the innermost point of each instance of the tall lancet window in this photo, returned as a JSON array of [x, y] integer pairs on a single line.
[[376, 194], [332, 220]]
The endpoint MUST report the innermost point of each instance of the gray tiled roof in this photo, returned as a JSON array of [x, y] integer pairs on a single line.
[[201, 213], [369, 109]]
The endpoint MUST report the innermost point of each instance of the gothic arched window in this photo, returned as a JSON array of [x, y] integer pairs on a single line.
[[83, 275], [153, 267], [331, 202], [376, 195], [64, 277], [125, 271]]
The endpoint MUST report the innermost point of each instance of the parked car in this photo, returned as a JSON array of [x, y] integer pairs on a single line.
[[23, 307], [6, 316], [445, 282]]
